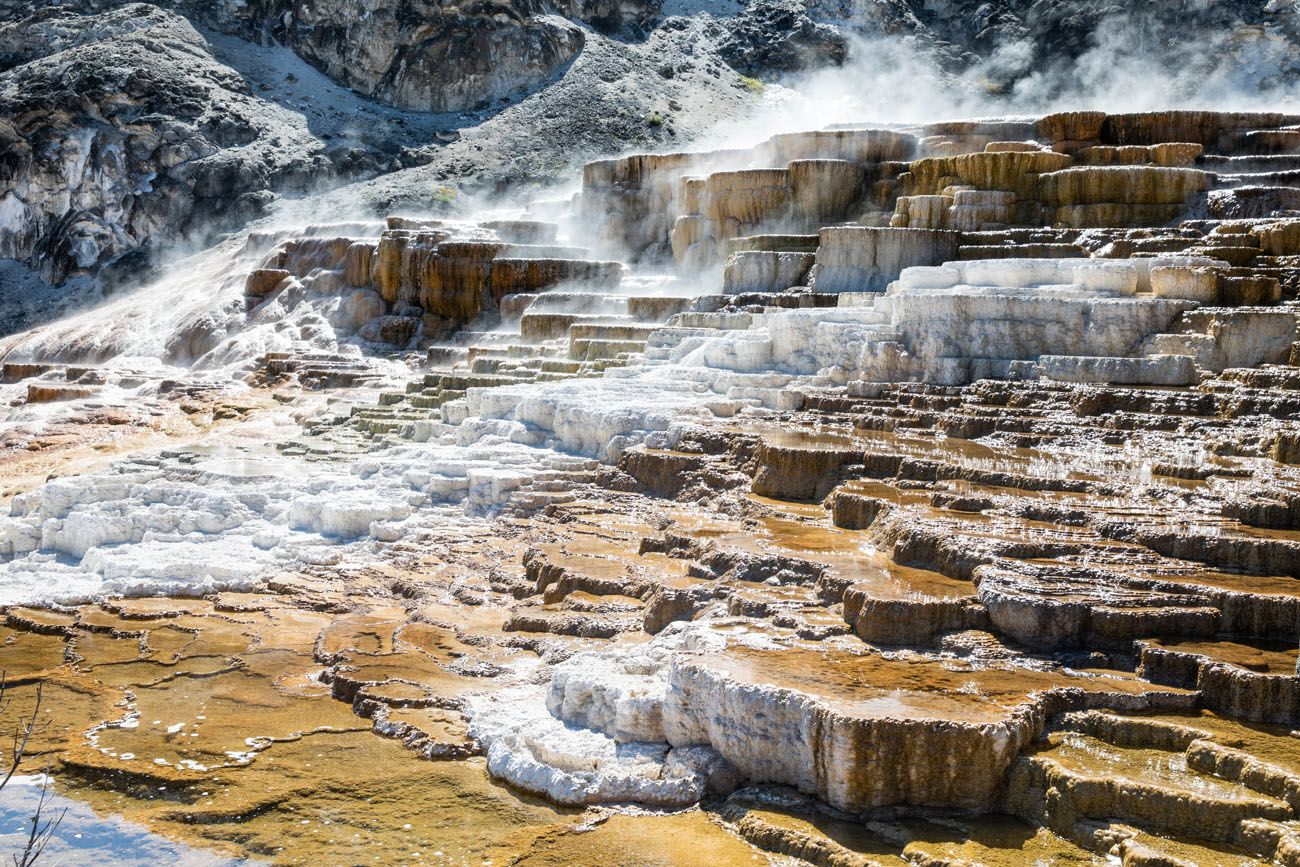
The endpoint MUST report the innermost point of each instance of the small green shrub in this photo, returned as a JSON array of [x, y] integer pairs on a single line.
[[444, 194], [655, 119]]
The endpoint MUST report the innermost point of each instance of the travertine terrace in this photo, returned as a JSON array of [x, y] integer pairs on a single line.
[[913, 495]]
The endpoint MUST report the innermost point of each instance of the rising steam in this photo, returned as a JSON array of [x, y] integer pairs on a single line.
[[1130, 64]]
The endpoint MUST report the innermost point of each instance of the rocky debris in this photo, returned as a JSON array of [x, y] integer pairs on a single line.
[[773, 36], [424, 57]]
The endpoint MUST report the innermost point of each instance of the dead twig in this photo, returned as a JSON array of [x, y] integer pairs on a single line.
[[42, 827]]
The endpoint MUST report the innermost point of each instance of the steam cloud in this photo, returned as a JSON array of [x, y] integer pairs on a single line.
[[1131, 64]]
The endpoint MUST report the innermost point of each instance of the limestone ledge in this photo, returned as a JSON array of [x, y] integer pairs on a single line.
[[781, 713]]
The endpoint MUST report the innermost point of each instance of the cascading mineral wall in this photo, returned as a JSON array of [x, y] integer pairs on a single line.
[[955, 466]]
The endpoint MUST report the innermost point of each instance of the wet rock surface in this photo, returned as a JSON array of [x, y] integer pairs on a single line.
[[980, 548]]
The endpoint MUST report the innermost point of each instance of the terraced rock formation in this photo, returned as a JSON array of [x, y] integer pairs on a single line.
[[895, 496]]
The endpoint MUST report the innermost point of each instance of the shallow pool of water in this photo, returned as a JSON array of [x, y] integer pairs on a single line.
[[84, 837]]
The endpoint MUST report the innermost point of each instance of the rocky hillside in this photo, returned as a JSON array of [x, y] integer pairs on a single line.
[[133, 126], [126, 127]]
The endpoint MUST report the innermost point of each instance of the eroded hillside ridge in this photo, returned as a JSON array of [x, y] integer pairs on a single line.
[[915, 495], [130, 127]]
